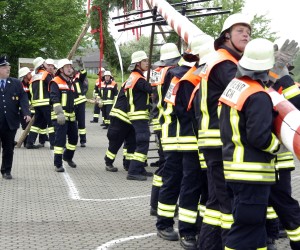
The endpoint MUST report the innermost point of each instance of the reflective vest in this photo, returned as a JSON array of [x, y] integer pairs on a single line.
[[138, 101], [243, 162], [119, 109], [66, 94], [80, 97], [107, 92], [157, 78], [208, 136], [38, 87]]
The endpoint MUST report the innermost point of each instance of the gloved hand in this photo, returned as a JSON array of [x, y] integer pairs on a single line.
[[100, 103], [61, 119], [282, 57], [80, 63]]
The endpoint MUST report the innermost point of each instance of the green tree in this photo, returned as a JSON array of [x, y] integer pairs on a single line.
[[31, 28]]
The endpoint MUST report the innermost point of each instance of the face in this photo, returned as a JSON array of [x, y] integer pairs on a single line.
[[4, 71], [143, 65], [239, 37], [51, 69], [107, 78], [67, 70], [27, 78]]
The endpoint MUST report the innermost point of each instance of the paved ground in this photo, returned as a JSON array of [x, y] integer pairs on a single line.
[[83, 208]]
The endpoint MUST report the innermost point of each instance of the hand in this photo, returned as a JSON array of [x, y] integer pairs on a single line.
[[27, 118], [61, 119], [100, 103], [80, 63]]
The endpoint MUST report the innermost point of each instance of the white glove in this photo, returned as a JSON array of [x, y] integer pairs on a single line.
[[61, 119]]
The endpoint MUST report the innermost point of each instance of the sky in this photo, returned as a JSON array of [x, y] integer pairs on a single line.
[[282, 14]]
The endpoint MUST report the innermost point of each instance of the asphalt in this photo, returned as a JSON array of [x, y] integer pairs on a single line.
[[82, 208]]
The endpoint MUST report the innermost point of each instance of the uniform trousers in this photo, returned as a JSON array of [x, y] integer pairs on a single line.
[[157, 178], [212, 236], [181, 180], [80, 118], [96, 113], [142, 137], [62, 149], [250, 202], [119, 132], [42, 116], [105, 113], [285, 206], [7, 137]]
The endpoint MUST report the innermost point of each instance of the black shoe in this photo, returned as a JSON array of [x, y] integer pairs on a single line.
[[168, 234], [103, 124], [188, 242], [93, 121], [7, 176], [106, 127], [136, 177], [32, 146], [271, 244], [59, 169], [41, 145], [149, 174], [82, 145], [71, 163], [51, 147], [153, 211], [111, 168]]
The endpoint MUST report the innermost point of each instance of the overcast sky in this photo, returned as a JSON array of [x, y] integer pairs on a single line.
[[284, 15]]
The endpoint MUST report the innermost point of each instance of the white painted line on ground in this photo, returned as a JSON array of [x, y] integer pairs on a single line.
[[74, 194], [118, 241]]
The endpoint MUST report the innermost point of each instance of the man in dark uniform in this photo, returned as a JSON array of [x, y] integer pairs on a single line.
[[12, 97]]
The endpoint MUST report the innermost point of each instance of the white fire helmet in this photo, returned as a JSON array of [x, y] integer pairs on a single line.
[[258, 55], [24, 71], [169, 51]]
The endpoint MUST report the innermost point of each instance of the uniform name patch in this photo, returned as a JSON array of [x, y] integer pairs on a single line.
[[234, 90]]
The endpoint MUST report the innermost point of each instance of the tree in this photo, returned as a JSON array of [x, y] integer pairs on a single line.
[[31, 28]]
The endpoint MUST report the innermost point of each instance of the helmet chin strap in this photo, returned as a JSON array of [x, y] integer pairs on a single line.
[[235, 46]]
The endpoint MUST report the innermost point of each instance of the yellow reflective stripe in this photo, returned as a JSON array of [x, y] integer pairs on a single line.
[[58, 150], [105, 102], [271, 214], [201, 209], [38, 103], [139, 157], [226, 220], [43, 131], [82, 131], [110, 155], [273, 145], [212, 217], [50, 130], [186, 215], [202, 161], [139, 115], [70, 146], [64, 99], [129, 156], [294, 235], [255, 177], [34, 129], [166, 210], [203, 105], [80, 99], [249, 166], [238, 154], [41, 92], [210, 137], [120, 114], [157, 181], [285, 161], [291, 92]]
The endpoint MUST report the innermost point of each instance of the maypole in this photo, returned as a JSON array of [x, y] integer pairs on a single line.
[[179, 23]]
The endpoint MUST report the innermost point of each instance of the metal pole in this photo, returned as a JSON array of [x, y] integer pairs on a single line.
[[151, 42]]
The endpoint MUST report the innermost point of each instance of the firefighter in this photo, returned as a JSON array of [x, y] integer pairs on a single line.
[[25, 77], [108, 93], [51, 66], [249, 145], [80, 82], [96, 95], [220, 69], [120, 131], [181, 174], [40, 100], [169, 57], [281, 198], [62, 94], [138, 91]]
